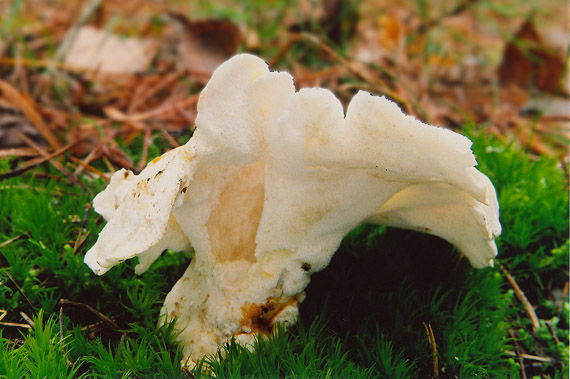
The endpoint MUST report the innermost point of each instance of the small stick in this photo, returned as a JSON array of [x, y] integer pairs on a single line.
[[147, 141], [101, 316], [114, 153], [61, 324], [18, 152], [528, 356], [79, 242], [189, 118], [562, 298], [552, 331], [169, 138], [33, 163], [26, 107], [522, 298], [116, 115], [108, 163], [55, 164], [69, 363], [431, 341], [89, 168], [14, 324], [518, 354], [28, 319], [149, 91], [19, 290], [378, 83], [11, 240], [93, 154]]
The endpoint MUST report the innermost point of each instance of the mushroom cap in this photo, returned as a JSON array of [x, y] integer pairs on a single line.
[[267, 187], [245, 113]]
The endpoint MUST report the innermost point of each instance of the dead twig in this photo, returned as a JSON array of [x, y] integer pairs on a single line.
[[20, 291], [169, 138], [431, 341], [548, 323], [12, 240], [522, 298], [562, 298], [93, 155], [28, 319], [116, 115], [528, 356], [54, 163], [357, 69], [88, 167], [144, 93], [69, 362], [36, 162], [25, 106], [16, 325], [3, 314], [18, 152], [147, 141], [80, 240], [190, 118], [110, 323], [518, 354], [61, 324]]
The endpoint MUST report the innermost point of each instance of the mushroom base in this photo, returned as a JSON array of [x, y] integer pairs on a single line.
[[209, 312]]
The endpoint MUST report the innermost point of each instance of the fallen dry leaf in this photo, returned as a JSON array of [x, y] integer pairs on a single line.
[[11, 119], [3, 46], [336, 18], [105, 52], [204, 45], [530, 59]]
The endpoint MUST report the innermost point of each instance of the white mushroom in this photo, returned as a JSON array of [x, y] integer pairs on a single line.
[[268, 186]]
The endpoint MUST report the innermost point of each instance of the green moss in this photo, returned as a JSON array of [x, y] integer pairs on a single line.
[[365, 315]]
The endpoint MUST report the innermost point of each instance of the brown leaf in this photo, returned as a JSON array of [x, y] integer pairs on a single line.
[[337, 18], [3, 47], [204, 45], [528, 59], [10, 119]]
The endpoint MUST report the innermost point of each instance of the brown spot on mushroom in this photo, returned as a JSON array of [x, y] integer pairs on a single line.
[[306, 266], [203, 312], [126, 174], [259, 317], [184, 189]]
